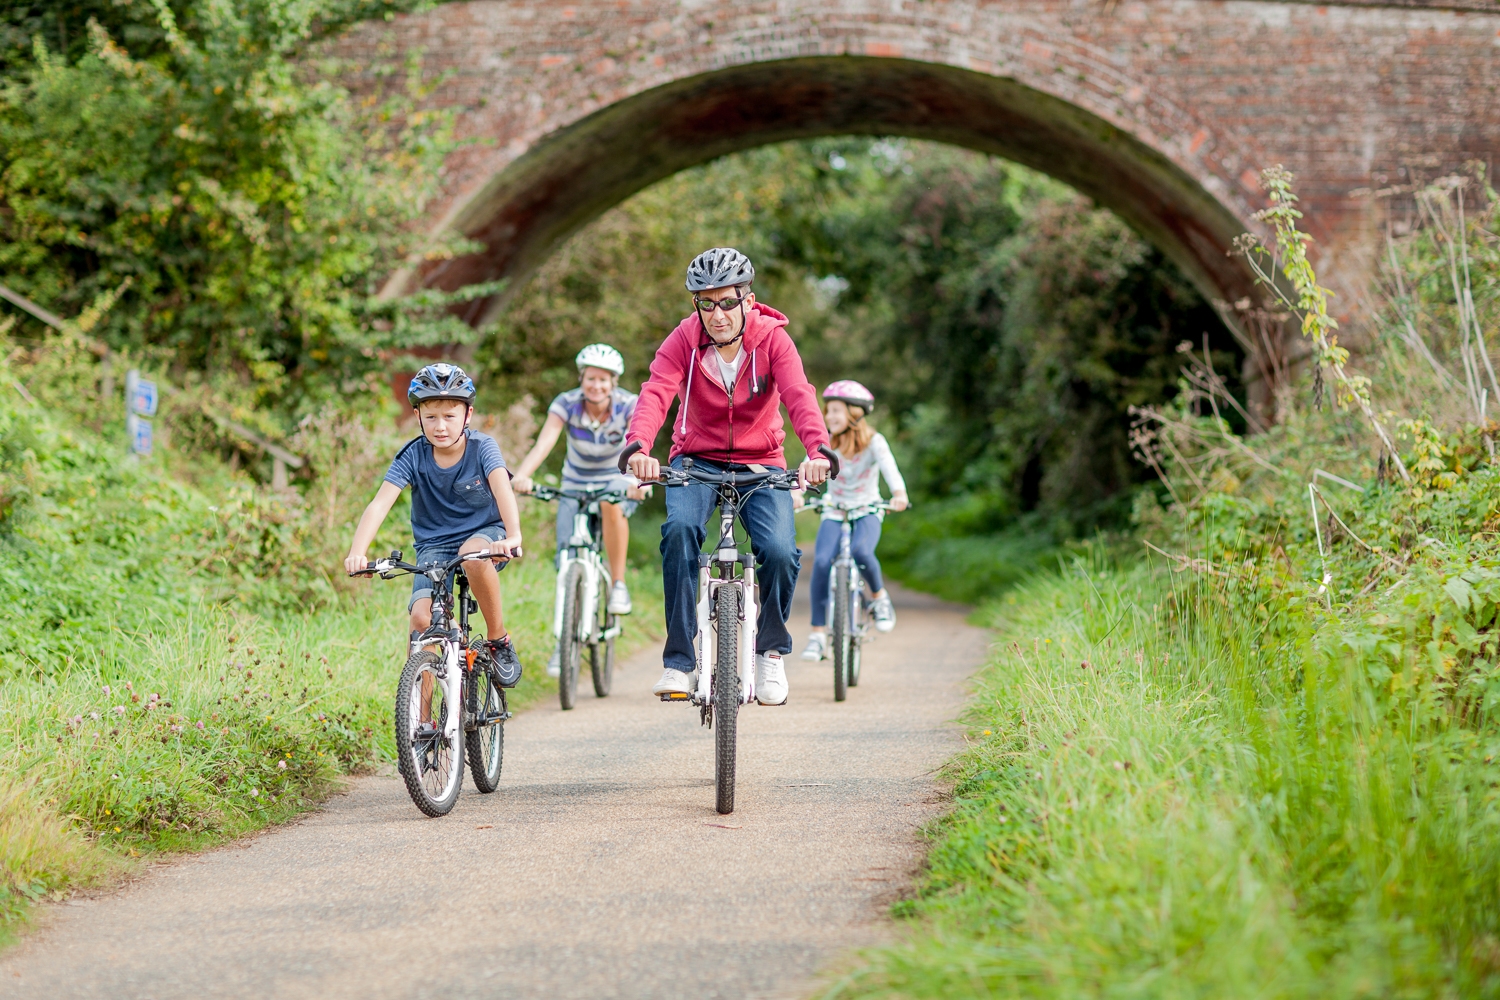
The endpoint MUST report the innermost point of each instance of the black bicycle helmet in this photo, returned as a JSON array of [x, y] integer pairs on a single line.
[[441, 381], [719, 268]]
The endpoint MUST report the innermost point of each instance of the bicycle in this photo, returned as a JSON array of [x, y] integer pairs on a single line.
[[446, 668], [848, 607], [727, 592], [580, 615]]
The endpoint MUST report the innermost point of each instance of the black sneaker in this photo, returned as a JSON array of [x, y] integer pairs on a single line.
[[507, 664]]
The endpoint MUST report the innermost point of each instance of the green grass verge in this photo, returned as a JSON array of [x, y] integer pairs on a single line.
[[1173, 789]]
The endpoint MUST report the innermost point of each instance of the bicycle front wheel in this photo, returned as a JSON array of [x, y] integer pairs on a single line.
[[602, 653], [431, 764], [570, 648], [486, 743], [839, 638], [726, 695]]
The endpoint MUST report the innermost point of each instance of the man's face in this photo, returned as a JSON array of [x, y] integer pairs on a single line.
[[597, 384], [724, 326], [443, 420]]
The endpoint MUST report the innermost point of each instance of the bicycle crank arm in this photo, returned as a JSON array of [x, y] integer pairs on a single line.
[[611, 633]]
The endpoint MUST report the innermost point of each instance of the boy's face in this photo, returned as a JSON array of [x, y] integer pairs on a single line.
[[597, 384], [443, 420]]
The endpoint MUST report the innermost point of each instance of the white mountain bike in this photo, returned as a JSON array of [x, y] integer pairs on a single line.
[[580, 610], [729, 604], [848, 607]]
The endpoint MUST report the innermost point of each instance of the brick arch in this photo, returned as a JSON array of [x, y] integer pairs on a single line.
[[1161, 109], [572, 175]]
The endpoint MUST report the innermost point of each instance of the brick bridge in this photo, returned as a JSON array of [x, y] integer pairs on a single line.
[[1162, 110]]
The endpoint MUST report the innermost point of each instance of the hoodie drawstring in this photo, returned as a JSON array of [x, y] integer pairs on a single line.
[[692, 363]]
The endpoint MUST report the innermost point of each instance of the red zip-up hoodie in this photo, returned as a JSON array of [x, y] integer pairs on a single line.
[[743, 428]]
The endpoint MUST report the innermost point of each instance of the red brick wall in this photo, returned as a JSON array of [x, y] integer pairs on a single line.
[[1180, 102]]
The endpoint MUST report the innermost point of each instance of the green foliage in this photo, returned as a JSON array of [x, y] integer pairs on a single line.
[[251, 202]]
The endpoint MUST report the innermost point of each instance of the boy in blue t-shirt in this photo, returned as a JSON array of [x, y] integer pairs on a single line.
[[461, 502]]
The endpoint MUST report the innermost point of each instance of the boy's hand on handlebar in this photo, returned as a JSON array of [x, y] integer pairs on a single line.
[[355, 564], [814, 471], [522, 484], [506, 548], [644, 467]]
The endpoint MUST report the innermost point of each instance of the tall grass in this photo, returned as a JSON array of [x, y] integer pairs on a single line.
[[1169, 796]]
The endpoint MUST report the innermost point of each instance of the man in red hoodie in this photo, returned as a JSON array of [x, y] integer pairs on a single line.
[[732, 364]]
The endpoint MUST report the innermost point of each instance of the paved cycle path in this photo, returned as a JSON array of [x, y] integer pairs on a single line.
[[598, 870]]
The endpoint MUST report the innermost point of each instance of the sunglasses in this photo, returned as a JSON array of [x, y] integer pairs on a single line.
[[708, 305]]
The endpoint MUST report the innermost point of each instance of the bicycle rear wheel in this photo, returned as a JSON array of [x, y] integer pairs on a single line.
[[602, 653], [570, 646], [431, 764], [486, 743], [726, 695], [840, 632]]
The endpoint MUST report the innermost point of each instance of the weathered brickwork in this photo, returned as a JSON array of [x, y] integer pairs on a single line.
[[1161, 109]]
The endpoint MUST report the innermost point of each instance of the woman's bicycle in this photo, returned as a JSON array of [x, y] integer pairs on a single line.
[[729, 602], [449, 698], [580, 615], [848, 607]]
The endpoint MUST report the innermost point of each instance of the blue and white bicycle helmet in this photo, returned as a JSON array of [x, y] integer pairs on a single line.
[[441, 381]]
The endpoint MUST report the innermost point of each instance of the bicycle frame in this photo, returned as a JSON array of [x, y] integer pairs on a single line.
[[723, 559], [583, 547]]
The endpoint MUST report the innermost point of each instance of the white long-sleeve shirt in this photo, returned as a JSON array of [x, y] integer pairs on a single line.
[[859, 478]]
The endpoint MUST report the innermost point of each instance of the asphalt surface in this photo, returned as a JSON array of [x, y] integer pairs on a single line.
[[598, 870]]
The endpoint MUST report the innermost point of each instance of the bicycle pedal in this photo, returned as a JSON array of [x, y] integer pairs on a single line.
[[675, 696]]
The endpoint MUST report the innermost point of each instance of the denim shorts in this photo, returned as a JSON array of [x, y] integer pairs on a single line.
[[421, 586]]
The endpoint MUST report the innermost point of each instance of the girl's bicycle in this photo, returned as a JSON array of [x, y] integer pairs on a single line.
[[848, 607], [449, 698], [580, 615], [729, 603]]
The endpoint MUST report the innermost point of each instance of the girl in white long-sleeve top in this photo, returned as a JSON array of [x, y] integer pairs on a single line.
[[865, 458]]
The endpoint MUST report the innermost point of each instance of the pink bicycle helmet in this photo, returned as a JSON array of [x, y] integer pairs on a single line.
[[851, 393]]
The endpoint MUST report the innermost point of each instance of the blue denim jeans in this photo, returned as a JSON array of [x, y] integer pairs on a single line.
[[767, 515], [864, 535]]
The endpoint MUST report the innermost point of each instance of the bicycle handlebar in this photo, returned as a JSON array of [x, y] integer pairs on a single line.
[[582, 496], [823, 503], [635, 446], [387, 568]]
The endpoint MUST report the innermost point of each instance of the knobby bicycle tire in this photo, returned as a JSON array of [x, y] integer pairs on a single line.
[[571, 653], [432, 769], [840, 637], [857, 633], [726, 695], [486, 744], [602, 653]]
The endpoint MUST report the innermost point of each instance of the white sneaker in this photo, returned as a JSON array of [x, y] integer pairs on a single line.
[[770, 679], [674, 681], [816, 648], [554, 665], [619, 599], [883, 613]]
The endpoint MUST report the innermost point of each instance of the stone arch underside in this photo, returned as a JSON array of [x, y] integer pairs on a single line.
[[573, 175]]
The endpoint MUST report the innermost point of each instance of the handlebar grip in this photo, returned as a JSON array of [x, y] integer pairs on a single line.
[[630, 449], [833, 460]]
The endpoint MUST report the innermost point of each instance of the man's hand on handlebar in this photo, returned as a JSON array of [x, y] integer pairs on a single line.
[[645, 468], [814, 471]]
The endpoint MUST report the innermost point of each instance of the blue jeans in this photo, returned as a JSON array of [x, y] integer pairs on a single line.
[[767, 515], [864, 535]]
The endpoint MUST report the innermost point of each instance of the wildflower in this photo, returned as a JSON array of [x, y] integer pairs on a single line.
[[153, 696], [150, 705], [200, 724], [77, 720], [119, 709], [94, 716], [988, 733], [281, 765], [176, 729], [254, 793], [116, 777], [106, 689], [117, 829], [129, 686]]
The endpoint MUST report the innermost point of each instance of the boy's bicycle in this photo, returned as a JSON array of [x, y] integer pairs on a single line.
[[449, 693], [848, 607], [580, 615], [728, 600]]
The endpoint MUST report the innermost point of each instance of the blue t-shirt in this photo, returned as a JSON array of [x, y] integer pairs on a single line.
[[594, 446], [448, 505]]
